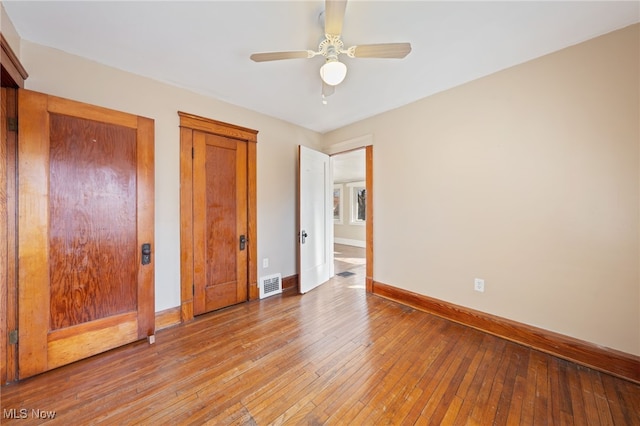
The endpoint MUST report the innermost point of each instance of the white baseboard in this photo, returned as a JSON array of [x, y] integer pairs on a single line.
[[350, 242]]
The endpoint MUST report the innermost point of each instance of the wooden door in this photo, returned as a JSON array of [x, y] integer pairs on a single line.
[[220, 221], [315, 209], [85, 197]]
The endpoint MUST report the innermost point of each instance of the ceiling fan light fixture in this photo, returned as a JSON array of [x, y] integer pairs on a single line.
[[333, 72]]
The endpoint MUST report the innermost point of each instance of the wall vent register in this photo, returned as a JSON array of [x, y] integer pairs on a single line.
[[270, 285]]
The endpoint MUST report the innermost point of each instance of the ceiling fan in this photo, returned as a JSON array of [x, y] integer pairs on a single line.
[[333, 72]]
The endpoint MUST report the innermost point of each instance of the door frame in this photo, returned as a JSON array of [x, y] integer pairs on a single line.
[[363, 142], [369, 214], [189, 123], [13, 77]]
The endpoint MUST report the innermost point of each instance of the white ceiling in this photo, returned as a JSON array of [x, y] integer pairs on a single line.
[[205, 46]]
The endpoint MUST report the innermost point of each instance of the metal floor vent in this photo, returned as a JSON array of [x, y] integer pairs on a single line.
[[270, 285]]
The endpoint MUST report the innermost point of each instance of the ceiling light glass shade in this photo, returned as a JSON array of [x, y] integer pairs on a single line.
[[333, 72]]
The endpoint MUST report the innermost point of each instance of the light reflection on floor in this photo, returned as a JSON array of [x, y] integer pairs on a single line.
[[359, 286], [352, 259]]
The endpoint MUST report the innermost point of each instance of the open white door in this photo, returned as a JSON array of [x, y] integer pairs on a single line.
[[315, 236]]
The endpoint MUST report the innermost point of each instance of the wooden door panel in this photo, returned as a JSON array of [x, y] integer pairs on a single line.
[[221, 213], [219, 295], [220, 218], [92, 242], [84, 340], [85, 207]]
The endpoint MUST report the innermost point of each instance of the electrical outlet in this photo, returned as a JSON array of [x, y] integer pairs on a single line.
[[265, 262], [478, 285]]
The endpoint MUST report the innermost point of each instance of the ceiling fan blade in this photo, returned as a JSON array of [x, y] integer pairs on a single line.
[[276, 56], [383, 50], [334, 16]]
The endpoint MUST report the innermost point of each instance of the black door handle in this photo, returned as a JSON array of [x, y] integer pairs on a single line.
[[146, 253], [243, 242]]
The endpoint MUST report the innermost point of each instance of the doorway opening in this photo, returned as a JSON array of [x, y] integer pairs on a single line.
[[316, 257], [350, 217]]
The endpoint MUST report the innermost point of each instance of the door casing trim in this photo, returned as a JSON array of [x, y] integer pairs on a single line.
[[189, 123], [13, 77]]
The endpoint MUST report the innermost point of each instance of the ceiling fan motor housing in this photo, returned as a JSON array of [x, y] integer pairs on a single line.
[[331, 47]]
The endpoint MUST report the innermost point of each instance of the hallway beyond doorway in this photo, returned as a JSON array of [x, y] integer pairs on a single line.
[[350, 262]]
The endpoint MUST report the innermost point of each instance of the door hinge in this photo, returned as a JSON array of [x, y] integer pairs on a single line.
[[12, 124], [13, 337], [193, 290], [192, 154]]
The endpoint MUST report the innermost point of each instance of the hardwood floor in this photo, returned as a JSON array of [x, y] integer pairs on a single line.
[[348, 258], [332, 356]]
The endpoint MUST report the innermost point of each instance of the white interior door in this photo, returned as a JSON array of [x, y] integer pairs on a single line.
[[315, 236]]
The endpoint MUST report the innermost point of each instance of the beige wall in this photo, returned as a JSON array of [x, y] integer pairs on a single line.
[[8, 30], [57, 73], [528, 178]]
